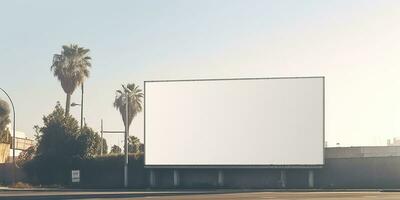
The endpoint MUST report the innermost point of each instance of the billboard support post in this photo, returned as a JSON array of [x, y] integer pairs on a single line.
[[283, 178], [310, 178], [152, 177], [220, 178], [176, 178]]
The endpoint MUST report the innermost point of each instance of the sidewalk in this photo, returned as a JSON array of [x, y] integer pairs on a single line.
[[192, 191]]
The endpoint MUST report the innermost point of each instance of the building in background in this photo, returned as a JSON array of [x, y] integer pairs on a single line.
[[21, 143], [394, 142]]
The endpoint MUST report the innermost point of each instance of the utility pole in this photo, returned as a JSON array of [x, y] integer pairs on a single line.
[[81, 105], [126, 140], [119, 132], [82, 109], [101, 141]]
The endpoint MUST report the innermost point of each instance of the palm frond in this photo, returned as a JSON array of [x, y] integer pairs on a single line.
[[71, 66], [135, 95]]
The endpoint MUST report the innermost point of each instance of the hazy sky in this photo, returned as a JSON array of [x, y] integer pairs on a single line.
[[354, 44]]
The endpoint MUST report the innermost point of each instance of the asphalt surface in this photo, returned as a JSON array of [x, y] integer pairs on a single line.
[[199, 195]]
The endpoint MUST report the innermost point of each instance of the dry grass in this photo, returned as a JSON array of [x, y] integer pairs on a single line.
[[21, 185]]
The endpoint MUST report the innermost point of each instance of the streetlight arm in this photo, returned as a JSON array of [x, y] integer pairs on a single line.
[[75, 104], [12, 104]]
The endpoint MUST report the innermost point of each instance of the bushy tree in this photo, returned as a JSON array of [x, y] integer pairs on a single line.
[[105, 147], [58, 136], [134, 145], [115, 149], [5, 136], [90, 142], [61, 146]]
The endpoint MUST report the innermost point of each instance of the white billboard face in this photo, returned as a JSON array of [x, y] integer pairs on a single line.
[[240, 122]]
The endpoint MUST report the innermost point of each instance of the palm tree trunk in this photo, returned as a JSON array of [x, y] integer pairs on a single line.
[[67, 105]]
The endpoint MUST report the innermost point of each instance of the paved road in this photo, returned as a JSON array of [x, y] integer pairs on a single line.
[[202, 195]]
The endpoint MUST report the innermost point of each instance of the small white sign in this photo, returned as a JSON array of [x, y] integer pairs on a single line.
[[75, 174]]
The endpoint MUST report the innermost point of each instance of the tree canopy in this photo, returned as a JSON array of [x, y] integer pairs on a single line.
[[90, 142], [135, 96], [134, 145], [5, 136], [71, 67], [60, 137], [61, 146], [115, 149]]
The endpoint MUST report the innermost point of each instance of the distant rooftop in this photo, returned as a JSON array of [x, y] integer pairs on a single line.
[[362, 151]]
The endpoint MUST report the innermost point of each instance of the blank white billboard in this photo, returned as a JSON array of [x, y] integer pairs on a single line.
[[235, 122]]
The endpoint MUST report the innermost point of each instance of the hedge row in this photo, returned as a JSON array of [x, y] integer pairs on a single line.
[[98, 172]]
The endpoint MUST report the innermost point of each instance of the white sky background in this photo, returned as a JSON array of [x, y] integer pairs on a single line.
[[354, 44]]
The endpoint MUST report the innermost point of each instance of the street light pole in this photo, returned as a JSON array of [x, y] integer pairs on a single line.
[[13, 140], [101, 141], [126, 140], [81, 105], [82, 109]]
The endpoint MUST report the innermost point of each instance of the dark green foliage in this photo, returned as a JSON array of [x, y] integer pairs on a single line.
[[90, 142], [59, 136], [5, 136], [61, 147], [105, 147], [134, 145], [96, 172], [115, 149], [107, 172]]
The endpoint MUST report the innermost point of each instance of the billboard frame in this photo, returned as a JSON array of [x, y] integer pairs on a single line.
[[238, 166]]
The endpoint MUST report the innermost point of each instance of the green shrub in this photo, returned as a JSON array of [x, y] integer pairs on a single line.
[[95, 172]]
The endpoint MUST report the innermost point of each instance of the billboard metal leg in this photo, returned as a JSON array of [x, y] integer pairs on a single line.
[[152, 178], [176, 178], [283, 178], [220, 178], [310, 178]]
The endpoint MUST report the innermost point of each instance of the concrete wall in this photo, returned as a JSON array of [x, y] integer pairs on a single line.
[[371, 172], [344, 168], [352, 167], [6, 173], [362, 152]]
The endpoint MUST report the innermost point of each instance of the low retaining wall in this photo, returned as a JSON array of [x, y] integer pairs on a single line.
[[6, 174], [358, 173], [370, 172]]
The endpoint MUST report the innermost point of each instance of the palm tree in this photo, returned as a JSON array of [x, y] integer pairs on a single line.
[[5, 135], [71, 67], [135, 96]]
